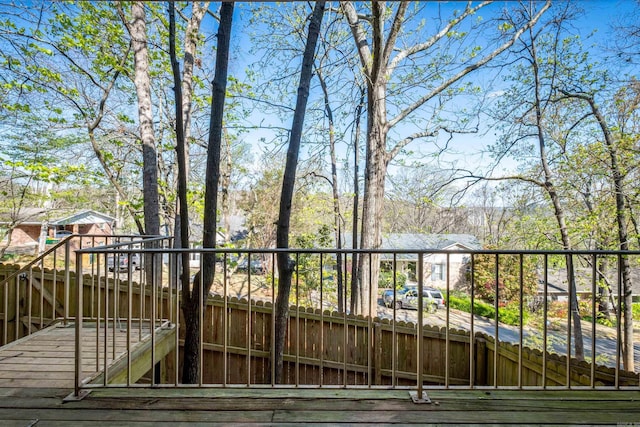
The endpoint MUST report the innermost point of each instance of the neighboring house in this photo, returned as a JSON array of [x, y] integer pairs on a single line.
[[558, 285], [236, 231], [33, 225], [435, 266], [84, 222], [25, 227]]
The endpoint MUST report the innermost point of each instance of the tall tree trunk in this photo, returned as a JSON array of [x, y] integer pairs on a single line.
[[197, 299], [373, 199], [285, 264], [142, 80], [356, 199], [183, 218], [198, 11], [337, 215], [623, 236], [557, 207], [181, 151], [225, 183], [138, 31], [621, 220], [604, 290], [377, 66]]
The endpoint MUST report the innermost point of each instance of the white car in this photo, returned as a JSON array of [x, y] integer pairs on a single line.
[[123, 262], [407, 297], [432, 299]]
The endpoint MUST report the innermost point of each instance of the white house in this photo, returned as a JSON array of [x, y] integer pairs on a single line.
[[437, 265]]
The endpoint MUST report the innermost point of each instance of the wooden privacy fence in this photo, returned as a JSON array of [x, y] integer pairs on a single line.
[[322, 348], [330, 348]]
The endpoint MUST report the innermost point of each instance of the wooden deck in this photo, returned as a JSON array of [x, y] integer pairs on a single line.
[[37, 374], [46, 359], [241, 407]]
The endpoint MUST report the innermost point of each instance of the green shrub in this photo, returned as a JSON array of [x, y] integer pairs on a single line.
[[509, 314], [386, 279]]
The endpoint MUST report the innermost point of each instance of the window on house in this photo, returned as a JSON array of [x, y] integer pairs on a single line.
[[437, 272]]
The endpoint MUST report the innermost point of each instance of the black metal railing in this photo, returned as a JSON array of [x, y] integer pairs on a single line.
[[508, 319]]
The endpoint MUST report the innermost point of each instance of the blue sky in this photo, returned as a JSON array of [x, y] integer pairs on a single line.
[[468, 151]]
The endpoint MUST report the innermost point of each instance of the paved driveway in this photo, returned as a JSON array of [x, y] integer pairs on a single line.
[[606, 343]]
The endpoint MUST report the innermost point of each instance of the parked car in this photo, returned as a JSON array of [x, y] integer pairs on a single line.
[[61, 234], [257, 267], [387, 295], [407, 297], [123, 262]]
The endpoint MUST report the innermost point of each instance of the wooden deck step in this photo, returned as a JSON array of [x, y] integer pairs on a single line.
[[47, 358]]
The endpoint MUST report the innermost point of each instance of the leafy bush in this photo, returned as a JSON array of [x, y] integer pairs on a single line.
[[508, 282], [558, 309], [510, 314], [386, 279]]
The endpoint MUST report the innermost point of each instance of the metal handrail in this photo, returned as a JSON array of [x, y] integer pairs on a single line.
[[38, 259], [10, 285], [160, 298]]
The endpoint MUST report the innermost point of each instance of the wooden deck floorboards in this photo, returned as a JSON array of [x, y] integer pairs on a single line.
[[241, 407], [47, 358], [36, 375]]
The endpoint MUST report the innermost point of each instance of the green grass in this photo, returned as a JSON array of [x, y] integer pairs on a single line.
[[509, 314]]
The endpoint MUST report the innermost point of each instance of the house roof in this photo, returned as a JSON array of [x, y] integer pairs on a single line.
[[430, 241], [85, 217], [26, 216], [422, 242], [410, 241], [558, 283], [36, 216], [237, 229]]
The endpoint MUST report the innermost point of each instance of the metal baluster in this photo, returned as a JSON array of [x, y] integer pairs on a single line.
[[496, 341], [154, 314], [545, 321], [447, 324], [321, 371], [420, 396], [594, 261], [521, 326], [273, 317], [472, 337], [394, 337], [297, 319], [249, 328], [572, 281], [619, 324], [78, 330]]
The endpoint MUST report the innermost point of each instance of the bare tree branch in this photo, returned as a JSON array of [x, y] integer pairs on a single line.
[[453, 79]]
